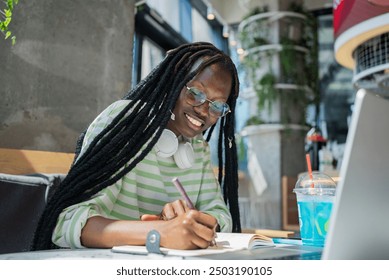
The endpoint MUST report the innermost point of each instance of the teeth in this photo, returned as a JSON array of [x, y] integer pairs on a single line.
[[193, 121]]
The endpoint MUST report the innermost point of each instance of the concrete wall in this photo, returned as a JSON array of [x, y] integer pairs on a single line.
[[71, 59]]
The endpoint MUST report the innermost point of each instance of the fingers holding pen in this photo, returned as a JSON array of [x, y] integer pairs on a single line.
[[203, 227], [173, 209], [170, 211], [200, 226], [184, 228], [191, 216], [190, 230], [212, 223]]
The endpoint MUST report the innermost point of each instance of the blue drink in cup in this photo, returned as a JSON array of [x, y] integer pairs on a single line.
[[315, 198]]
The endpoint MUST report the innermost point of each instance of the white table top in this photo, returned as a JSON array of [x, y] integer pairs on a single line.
[[96, 254], [76, 254]]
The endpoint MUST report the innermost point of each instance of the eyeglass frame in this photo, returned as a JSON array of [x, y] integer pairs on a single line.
[[212, 103]]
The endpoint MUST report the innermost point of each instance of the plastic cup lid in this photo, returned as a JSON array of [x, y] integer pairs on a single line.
[[320, 183]]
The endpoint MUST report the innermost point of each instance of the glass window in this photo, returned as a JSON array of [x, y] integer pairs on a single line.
[[201, 29], [336, 89], [151, 56], [169, 10]]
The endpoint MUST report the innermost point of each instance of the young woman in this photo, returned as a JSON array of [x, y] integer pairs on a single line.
[[120, 186]]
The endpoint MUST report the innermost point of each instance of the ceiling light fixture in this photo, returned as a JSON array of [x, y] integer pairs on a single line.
[[226, 31], [210, 13]]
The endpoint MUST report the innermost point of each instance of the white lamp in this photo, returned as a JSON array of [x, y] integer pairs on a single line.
[[210, 13], [226, 31]]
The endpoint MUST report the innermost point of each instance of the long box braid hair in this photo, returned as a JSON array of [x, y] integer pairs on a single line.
[[118, 148]]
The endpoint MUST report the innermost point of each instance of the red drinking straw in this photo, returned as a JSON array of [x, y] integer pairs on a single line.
[[308, 158]]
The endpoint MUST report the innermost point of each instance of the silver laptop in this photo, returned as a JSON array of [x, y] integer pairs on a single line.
[[359, 227]]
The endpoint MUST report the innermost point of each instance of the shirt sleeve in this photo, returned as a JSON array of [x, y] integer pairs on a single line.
[[210, 197], [67, 232], [72, 219]]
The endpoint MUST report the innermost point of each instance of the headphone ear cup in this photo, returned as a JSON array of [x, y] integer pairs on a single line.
[[184, 157], [167, 144]]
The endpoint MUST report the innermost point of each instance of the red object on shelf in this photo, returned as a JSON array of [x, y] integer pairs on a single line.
[[316, 138]]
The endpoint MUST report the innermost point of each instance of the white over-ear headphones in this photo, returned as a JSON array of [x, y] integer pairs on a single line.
[[168, 146]]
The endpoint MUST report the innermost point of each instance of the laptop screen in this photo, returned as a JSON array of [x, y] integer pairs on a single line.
[[359, 227]]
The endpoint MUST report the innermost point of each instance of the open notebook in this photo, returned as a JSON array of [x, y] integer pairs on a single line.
[[225, 242]]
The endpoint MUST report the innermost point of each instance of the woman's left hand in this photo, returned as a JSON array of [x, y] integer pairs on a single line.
[[169, 211]]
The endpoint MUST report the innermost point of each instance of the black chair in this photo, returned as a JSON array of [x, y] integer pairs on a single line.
[[22, 200]]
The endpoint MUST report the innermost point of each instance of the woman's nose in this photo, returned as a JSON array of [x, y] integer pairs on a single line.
[[202, 109]]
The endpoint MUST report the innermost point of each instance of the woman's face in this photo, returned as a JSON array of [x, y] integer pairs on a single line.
[[190, 120]]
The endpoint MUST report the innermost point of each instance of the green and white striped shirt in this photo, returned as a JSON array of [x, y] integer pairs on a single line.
[[145, 189]]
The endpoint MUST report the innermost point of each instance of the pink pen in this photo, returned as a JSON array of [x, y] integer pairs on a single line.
[[183, 193]]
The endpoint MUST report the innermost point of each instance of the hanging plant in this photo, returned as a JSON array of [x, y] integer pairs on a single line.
[[288, 55], [266, 91], [296, 52], [5, 19], [256, 32]]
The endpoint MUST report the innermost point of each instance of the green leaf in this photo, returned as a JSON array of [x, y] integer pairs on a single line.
[[13, 38], [8, 13], [7, 34], [10, 4], [7, 21]]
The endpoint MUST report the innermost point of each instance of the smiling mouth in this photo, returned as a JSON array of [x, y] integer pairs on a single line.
[[193, 121]]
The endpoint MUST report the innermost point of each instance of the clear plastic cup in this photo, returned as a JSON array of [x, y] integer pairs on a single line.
[[314, 201]]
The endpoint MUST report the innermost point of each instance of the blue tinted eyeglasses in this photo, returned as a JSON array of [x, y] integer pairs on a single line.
[[195, 97]]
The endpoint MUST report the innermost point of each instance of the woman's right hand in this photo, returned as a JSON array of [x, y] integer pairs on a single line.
[[189, 230]]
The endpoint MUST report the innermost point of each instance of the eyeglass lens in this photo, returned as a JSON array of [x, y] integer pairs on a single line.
[[197, 98]]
